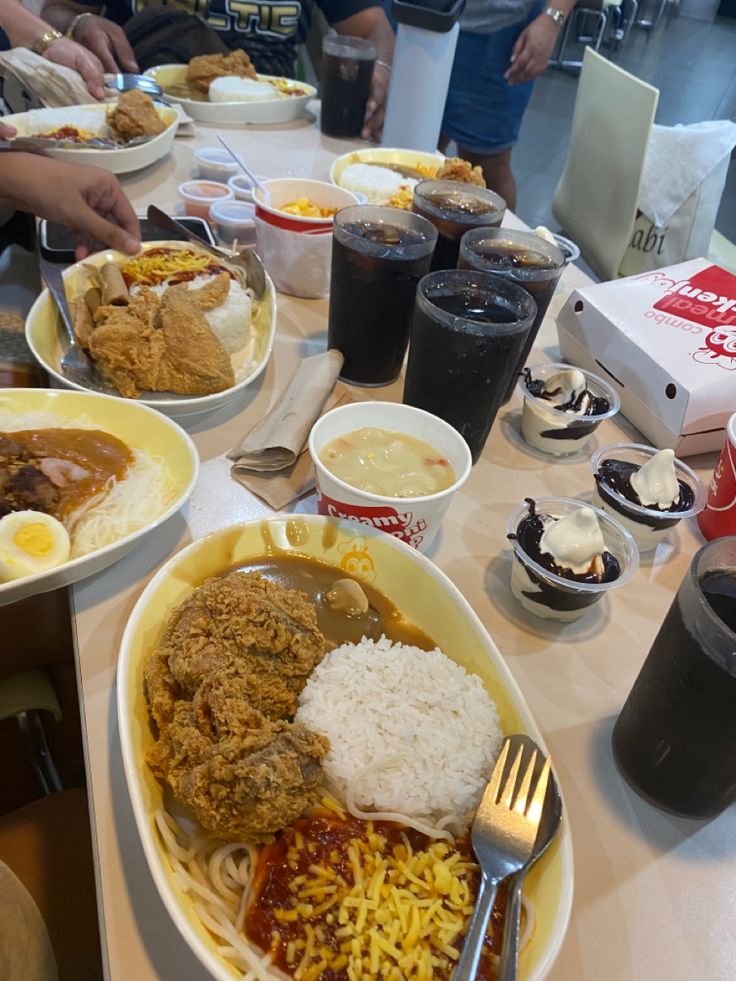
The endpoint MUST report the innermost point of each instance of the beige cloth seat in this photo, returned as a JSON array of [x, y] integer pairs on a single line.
[[596, 198]]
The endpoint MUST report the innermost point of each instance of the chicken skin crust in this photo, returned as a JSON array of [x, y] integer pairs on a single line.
[[222, 686]]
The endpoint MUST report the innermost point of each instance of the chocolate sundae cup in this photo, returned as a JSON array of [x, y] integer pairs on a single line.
[[557, 587], [648, 523], [558, 418]]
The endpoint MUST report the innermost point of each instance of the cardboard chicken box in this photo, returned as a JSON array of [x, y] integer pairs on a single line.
[[666, 340]]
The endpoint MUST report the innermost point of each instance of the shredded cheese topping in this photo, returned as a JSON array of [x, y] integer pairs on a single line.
[[157, 265]]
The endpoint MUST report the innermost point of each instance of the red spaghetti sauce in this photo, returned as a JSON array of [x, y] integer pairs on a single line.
[[287, 906]]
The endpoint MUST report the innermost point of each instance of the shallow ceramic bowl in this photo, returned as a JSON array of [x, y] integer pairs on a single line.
[[422, 593], [280, 109], [47, 341], [122, 161], [138, 426]]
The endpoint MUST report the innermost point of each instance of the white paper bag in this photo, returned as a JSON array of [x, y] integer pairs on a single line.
[[682, 184], [298, 262]]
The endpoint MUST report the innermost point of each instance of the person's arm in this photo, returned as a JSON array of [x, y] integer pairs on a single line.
[[23, 29], [102, 37], [86, 199], [372, 24], [535, 44]]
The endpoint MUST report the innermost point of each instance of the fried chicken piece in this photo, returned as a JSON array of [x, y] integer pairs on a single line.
[[266, 633], [160, 689], [244, 776], [456, 169], [127, 345], [135, 115], [204, 69], [195, 361]]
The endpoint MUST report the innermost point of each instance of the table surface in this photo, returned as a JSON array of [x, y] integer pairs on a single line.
[[654, 894]]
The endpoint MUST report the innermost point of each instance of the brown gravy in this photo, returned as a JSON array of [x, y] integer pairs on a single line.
[[102, 455], [316, 579]]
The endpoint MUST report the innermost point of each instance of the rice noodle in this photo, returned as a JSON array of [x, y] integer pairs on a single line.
[[430, 830]]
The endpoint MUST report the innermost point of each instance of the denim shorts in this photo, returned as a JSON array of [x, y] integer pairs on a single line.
[[483, 112]]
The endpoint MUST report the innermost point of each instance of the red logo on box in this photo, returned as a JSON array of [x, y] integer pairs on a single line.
[[707, 298], [399, 524]]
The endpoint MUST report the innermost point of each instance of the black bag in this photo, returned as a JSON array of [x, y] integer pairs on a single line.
[[163, 35]]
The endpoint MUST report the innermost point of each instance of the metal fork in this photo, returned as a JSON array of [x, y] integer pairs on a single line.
[[76, 364], [503, 835]]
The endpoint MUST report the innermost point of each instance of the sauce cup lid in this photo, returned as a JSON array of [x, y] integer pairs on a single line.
[[616, 539]]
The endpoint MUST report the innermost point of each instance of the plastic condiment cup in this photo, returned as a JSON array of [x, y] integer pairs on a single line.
[[552, 597], [198, 196], [555, 432], [415, 520], [567, 247], [234, 220], [648, 526], [242, 187], [215, 164]]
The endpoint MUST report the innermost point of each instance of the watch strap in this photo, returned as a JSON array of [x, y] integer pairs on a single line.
[[558, 16], [47, 38]]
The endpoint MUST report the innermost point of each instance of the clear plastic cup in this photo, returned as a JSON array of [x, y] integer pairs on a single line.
[[552, 597], [561, 433], [648, 526], [415, 520], [453, 208]]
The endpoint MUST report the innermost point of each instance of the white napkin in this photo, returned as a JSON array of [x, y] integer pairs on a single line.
[[678, 159], [51, 85]]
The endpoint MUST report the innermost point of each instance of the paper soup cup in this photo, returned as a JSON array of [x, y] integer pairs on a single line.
[[297, 252], [286, 190], [415, 520]]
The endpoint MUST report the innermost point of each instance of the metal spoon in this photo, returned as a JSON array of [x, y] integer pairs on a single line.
[[76, 364], [127, 81], [551, 817]]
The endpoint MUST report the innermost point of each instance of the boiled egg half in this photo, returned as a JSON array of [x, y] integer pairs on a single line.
[[31, 542]]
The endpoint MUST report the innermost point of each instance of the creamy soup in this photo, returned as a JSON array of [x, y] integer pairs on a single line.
[[391, 464]]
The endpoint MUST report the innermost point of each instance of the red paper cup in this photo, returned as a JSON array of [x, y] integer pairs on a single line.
[[719, 517]]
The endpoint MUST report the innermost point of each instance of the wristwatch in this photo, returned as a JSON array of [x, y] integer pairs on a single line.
[[557, 15], [42, 42]]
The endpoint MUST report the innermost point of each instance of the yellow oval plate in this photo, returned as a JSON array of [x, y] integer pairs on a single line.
[[142, 429], [424, 595], [47, 340]]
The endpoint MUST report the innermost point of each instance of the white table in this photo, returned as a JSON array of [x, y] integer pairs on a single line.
[[654, 895]]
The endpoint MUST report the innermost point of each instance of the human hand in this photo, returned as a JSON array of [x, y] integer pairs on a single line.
[[88, 200], [7, 132], [62, 51], [532, 51], [375, 108], [108, 41]]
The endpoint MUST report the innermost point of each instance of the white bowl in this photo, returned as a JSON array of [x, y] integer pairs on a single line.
[[387, 155], [415, 520], [286, 190], [280, 109], [140, 428], [424, 595], [47, 341], [121, 161]]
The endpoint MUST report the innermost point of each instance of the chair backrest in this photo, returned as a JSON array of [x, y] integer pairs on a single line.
[[596, 198]]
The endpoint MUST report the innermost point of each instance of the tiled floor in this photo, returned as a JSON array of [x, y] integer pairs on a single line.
[[691, 62]]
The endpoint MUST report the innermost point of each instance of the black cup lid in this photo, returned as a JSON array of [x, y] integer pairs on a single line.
[[431, 15]]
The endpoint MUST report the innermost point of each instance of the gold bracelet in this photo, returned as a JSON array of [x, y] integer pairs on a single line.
[[74, 24], [41, 43]]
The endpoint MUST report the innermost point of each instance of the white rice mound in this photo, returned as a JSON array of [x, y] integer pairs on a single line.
[[376, 182], [414, 731], [232, 88]]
